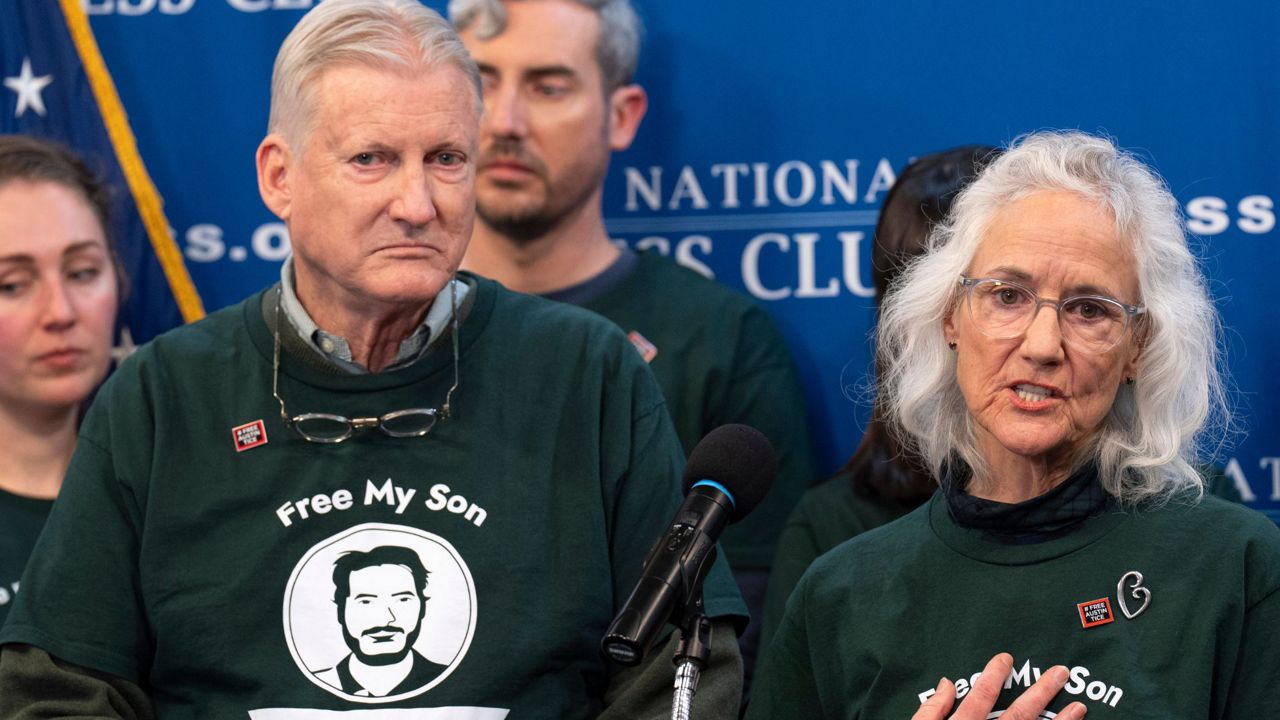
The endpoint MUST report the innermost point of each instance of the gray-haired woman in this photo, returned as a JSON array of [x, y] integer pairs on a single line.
[[1053, 361]]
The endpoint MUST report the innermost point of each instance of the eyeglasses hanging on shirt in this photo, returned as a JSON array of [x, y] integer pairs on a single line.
[[331, 428]]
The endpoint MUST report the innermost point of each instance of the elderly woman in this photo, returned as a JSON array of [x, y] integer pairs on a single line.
[[58, 290], [1052, 361]]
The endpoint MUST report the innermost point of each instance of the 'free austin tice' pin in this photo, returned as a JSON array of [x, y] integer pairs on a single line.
[[249, 435], [1095, 612], [647, 350]]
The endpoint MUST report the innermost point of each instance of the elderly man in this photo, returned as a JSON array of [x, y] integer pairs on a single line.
[[559, 99], [516, 447]]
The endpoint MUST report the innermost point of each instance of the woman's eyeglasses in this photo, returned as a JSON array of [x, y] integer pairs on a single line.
[[1004, 310]]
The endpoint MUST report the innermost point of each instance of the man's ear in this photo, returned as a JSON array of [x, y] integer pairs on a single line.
[[275, 163], [627, 105]]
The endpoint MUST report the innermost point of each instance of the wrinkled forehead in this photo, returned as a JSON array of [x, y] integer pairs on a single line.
[[1057, 239], [329, 96], [431, 103]]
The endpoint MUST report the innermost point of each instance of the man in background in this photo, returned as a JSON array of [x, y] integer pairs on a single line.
[[559, 99]]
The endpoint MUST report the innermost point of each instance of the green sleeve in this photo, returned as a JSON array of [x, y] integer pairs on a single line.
[[640, 513], [797, 549], [1252, 685], [81, 596], [784, 685], [828, 515], [646, 691], [34, 685], [766, 394], [641, 495]]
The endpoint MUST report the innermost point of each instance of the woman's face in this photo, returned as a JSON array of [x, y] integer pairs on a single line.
[[57, 297], [1038, 396]]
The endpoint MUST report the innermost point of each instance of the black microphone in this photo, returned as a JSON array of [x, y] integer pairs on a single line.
[[729, 472]]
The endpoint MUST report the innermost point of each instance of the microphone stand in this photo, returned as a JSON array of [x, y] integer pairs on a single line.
[[691, 656]]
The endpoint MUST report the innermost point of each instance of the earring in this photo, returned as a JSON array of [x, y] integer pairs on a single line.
[[1128, 381], [952, 345]]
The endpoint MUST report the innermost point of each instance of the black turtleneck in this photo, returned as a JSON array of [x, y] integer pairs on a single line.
[[1044, 517]]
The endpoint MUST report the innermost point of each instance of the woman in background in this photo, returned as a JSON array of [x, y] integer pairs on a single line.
[[58, 301], [880, 482]]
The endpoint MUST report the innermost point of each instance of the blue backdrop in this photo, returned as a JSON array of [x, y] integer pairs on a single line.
[[773, 133]]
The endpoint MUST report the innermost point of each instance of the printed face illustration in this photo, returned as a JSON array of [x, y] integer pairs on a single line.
[[367, 621], [382, 613]]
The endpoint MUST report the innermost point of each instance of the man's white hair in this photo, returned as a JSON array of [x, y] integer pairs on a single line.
[[392, 34]]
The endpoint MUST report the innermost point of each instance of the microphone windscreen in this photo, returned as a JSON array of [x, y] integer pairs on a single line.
[[738, 457]]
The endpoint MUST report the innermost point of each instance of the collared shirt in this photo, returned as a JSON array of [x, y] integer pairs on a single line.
[[337, 350]]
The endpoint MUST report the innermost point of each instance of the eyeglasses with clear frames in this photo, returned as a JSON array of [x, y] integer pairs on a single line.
[[329, 428], [1004, 310]]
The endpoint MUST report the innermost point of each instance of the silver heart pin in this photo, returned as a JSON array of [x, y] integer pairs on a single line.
[[1137, 592]]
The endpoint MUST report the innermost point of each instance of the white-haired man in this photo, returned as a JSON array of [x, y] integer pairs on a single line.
[[559, 99], [372, 399]]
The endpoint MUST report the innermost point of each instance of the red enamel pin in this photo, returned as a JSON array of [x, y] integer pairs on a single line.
[[647, 350], [1095, 612], [249, 435]]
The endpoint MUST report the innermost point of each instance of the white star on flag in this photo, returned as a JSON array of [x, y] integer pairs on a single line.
[[125, 348], [28, 88]]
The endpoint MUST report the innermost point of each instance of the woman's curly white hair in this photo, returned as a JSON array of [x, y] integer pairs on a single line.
[[1147, 446]]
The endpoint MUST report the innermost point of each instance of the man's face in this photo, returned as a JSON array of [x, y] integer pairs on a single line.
[[379, 198], [548, 127], [382, 614]]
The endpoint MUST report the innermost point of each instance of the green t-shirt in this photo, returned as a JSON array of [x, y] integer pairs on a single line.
[[230, 567], [719, 359], [875, 623], [826, 516], [21, 519], [832, 512]]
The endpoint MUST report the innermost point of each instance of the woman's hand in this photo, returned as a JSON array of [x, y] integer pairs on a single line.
[[982, 697]]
